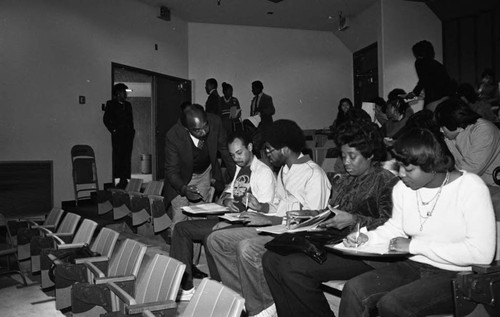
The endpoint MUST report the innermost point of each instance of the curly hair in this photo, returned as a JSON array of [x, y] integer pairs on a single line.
[[362, 135], [285, 133], [421, 147]]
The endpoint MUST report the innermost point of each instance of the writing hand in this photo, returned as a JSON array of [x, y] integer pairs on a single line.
[[229, 203], [253, 203], [350, 240]]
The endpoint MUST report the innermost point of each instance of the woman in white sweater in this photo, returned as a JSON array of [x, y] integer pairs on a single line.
[[442, 217]]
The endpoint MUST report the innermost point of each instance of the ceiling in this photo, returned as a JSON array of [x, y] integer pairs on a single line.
[[320, 15]]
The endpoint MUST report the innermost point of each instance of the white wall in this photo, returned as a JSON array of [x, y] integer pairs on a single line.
[[405, 23], [305, 72], [51, 52]]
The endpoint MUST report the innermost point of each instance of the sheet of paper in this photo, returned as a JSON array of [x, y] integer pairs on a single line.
[[208, 208], [374, 248], [232, 217]]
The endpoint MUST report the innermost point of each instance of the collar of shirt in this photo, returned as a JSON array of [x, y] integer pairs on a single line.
[[195, 140]]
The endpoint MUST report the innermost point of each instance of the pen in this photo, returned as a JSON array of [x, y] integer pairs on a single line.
[[357, 234], [246, 201]]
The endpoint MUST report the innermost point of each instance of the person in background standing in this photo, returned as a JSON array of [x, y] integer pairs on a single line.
[[262, 105], [230, 109], [119, 120], [433, 78], [212, 105]]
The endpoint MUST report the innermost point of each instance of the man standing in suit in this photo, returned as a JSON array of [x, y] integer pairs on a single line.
[[262, 105], [191, 164], [118, 119], [213, 101]]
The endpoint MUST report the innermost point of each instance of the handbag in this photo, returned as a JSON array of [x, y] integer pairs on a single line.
[[309, 243], [70, 256]]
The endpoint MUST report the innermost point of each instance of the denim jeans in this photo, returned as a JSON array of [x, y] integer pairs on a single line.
[[237, 253], [406, 288]]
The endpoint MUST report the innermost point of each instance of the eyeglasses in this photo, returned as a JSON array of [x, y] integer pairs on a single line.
[[269, 150]]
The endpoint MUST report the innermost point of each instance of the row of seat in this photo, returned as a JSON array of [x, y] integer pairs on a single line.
[[141, 207], [130, 284]]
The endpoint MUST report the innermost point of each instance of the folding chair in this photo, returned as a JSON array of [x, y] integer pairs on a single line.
[[81, 238], [65, 231], [211, 299], [24, 235], [123, 265], [84, 171], [8, 250], [157, 286]]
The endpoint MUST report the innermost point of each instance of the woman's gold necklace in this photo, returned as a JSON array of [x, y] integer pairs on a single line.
[[423, 219]]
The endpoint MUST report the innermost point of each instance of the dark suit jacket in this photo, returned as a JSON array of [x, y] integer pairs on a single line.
[[213, 103], [266, 110], [179, 157]]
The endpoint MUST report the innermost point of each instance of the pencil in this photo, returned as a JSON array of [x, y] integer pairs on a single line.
[[357, 234], [246, 201]]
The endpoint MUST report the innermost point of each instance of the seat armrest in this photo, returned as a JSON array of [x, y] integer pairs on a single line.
[[153, 306], [92, 259], [122, 295], [487, 268], [50, 227], [62, 234], [137, 194], [54, 259], [155, 198], [66, 246], [45, 230], [59, 241], [116, 279], [94, 269]]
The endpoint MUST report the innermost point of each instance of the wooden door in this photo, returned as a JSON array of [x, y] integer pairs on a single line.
[[365, 64], [169, 94]]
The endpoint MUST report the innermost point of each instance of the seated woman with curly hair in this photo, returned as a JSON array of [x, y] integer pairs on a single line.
[[361, 195], [442, 217]]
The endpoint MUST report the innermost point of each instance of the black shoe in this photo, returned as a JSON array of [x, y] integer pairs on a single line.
[[198, 274]]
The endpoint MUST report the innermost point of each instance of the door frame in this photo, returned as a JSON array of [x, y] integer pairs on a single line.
[[154, 105]]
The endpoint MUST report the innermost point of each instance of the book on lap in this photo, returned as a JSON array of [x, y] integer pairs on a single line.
[[208, 208]]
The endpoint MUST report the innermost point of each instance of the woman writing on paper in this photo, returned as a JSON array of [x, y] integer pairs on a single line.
[[442, 217], [363, 195]]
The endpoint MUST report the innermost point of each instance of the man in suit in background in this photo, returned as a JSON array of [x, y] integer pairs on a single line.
[[191, 164], [213, 101], [262, 105]]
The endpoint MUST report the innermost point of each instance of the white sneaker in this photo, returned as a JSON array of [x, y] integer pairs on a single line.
[[185, 295], [268, 312]]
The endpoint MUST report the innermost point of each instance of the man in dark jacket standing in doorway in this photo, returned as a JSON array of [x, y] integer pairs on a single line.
[[119, 120]]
